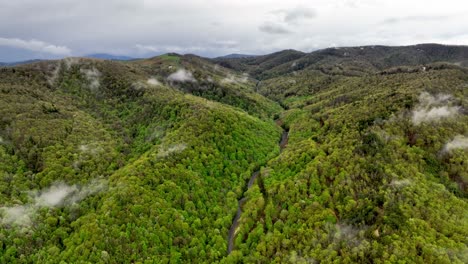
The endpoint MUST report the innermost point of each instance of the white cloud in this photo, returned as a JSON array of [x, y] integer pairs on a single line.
[[181, 75], [433, 108], [35, 45], [458, 142]]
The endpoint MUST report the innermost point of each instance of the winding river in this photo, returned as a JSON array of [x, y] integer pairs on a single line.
[[235, 223]]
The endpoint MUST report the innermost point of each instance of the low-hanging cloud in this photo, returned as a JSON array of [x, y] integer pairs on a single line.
[[92, 75], [458, 142], [35, 45], [153, 82], [57, 195], [181, 75], [166, 151], [230, 78], [433, 108]]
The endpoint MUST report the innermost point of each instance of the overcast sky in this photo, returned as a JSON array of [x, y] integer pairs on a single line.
[[140, 28]]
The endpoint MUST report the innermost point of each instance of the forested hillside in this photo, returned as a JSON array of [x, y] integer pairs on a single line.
[[147, 161]]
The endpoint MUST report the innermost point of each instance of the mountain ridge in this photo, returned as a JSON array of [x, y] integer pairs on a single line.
[[176, 158]]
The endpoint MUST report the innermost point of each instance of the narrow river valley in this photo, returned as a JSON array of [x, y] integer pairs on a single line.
[[235, 223]]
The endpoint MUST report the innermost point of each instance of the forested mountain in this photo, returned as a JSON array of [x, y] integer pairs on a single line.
[[352, 61], [347, 155]]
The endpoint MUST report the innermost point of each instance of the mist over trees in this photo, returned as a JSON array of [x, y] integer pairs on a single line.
[[146, 161]]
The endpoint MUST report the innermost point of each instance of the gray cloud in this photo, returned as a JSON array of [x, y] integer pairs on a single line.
[[297, 14], [272, 28], [143, 28], [394, 20], [168, 48]]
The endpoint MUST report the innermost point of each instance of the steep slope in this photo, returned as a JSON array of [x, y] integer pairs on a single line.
[[199, 76], [375, 170], [150, 160], [91, 151], [258, 66]]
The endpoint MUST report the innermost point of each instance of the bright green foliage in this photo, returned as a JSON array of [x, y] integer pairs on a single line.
[[173, 164], [359, 181], [154, 169]]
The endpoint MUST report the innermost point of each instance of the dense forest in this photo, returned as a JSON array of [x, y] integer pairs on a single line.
[[147, 161]]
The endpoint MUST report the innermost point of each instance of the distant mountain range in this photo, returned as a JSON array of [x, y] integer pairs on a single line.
[[103, 56], [6, 64], [342, 60], [236, 56]]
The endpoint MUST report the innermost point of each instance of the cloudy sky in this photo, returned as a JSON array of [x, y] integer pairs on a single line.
[[140, 28]]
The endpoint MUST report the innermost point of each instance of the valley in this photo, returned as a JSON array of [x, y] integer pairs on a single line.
[[235, 223], [348, 155]]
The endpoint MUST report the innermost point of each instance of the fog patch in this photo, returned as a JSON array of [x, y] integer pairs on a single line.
[[90, 149], [164, 152], [295, 257], [230, 78], [19, 215], [352, 236], [92, 75], [181, 75], [54, 195], [458, 142], [65, 63], [138, 86], [433, 108], [57, 195], [69, 62], [400, 183], [347, 233], [153, 82], [54, 74]]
